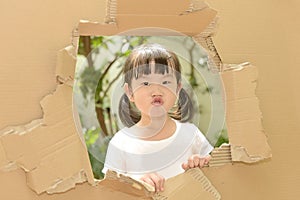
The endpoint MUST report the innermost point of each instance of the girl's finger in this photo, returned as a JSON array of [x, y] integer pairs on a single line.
[[148, 180], [206, 161], [184, 166], [157, 181], [162, 182], [202, 161], [191, 162], [196, 161]]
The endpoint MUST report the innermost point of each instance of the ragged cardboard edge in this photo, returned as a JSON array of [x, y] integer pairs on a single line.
[[65, 70], [126, 185], [6, 163], [55, 171], [240, 153], [65, 65], [29, 160], [190, 183], [205, 40], [64, 185], [246, 135], [155, 7], [160, 7], [126, 23], [197, 5]]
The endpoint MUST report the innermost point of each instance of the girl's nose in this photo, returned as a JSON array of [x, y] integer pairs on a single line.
[[156, 90]]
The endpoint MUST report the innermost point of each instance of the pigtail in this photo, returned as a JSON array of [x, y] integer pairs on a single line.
[[127, 114], [184, 110]]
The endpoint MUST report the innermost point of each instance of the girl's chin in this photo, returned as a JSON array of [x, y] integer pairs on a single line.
[[158, 111]]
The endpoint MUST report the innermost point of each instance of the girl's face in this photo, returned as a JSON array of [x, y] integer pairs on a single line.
[[154, 94]]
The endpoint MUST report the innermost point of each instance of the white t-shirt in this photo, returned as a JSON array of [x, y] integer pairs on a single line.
[[135, 157]]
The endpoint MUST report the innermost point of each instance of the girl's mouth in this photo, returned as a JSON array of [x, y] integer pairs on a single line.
[[157, 101]]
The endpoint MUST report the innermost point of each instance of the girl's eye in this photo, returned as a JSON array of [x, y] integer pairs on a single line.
[[166, 82], [146, 83]]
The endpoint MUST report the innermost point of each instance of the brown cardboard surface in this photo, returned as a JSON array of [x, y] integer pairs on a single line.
[[174, 22], [28, 74], [50, 152], [31, 44], [160, 7], [192, 185]]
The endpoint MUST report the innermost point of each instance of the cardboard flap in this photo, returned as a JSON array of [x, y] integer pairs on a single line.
[[246, 136]]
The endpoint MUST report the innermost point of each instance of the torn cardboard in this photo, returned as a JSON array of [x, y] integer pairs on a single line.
[[191, 185], [123, 19], [247, 138], [53, 156], [49, 152]]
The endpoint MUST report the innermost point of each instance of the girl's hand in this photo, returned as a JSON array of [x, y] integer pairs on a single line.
[[196, 161], [154, 179]]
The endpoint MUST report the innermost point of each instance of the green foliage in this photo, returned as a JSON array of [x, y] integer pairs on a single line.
[[97, 166], [88, 80], [97, 147], [90, 136], [223, 138]]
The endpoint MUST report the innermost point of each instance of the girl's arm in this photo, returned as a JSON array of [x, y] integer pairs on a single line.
[[202, 149]]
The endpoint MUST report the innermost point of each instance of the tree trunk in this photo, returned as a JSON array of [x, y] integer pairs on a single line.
[[100, 116]]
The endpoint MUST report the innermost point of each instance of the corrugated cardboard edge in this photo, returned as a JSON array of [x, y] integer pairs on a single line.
[[221, 156], [205, 40], [189, 183]]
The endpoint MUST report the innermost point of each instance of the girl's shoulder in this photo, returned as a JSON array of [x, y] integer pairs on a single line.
[[189, 128], [122, 136], [186, 126], [118, 137]]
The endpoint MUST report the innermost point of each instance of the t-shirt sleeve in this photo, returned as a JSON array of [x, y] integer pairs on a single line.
[[202, 146], [115, 159]]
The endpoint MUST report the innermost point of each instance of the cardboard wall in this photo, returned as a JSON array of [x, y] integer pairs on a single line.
[[264, 33]]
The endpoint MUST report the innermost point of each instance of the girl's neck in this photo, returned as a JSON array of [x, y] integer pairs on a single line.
[[153, 122], [156, 128]]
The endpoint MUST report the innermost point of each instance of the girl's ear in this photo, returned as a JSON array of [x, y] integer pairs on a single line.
[[128, 92], [179, 87]]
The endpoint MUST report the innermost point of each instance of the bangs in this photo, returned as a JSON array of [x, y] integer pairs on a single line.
[[147, 69], [151, 58]]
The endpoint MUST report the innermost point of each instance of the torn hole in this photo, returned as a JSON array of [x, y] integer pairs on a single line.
[[97, 137]]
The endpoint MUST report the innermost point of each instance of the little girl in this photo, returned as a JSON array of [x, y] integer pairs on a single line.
[[158, 142]]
